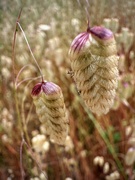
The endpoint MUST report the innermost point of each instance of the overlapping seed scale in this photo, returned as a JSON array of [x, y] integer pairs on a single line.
[[53, 96], [56, 114], [57, 127], [108, 73], [86, 73], [92, 101], [90, 93], [56, 133], [108, 84], [53, 107], [58, 138], [53, 103], [82, 62], [95, 85], [111, 61], [57, 120], [103, 109], [103, 100], [110, 93], [106, 101], [52, 113], [100, 107], [104, 51], [87, 84], [37, 101]]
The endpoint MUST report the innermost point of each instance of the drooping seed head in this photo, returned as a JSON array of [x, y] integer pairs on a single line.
[[130, 156], [50, 107], [94, 63]]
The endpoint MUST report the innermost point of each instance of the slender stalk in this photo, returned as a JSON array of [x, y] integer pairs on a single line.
[[14, 89], [13, 46], [107, 142], [29, 114], [27, 79], [24, 122], [88, 17], [30, 49], [34, 158], [17, 77], [16, 84], [24, 119], [21, 165]]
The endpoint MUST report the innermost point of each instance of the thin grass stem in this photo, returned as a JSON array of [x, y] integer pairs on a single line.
[[21, 165], [34, 158], [30, 49], [13, 46], [102, 134], [17, 77]]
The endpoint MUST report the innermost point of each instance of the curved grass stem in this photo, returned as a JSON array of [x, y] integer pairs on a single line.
[[30, 49], [18, 117], [17, 77]]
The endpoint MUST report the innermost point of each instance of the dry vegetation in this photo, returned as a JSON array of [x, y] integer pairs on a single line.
[[97, 148]]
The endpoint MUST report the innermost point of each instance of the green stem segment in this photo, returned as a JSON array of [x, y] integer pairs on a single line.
[[107, 142]]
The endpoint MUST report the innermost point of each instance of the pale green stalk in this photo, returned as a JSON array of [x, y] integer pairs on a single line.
[[107, 142]]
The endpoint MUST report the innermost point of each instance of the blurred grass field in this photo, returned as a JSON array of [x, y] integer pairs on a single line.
[[97, 148]]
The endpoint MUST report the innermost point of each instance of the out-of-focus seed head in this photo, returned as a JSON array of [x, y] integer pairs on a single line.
[[50, 107], [37, 142], [106, 168], [130, 156], [128, 130], [112, 24], [115, 175], [98, 161], [69, 143]]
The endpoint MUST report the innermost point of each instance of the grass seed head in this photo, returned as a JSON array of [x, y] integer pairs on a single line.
[[94, 63], [50, 107]]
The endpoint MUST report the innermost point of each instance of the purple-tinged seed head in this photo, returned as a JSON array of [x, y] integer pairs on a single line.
[[79, 42], [37, 89], [97, 32], [101, 32], [50, 88]]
